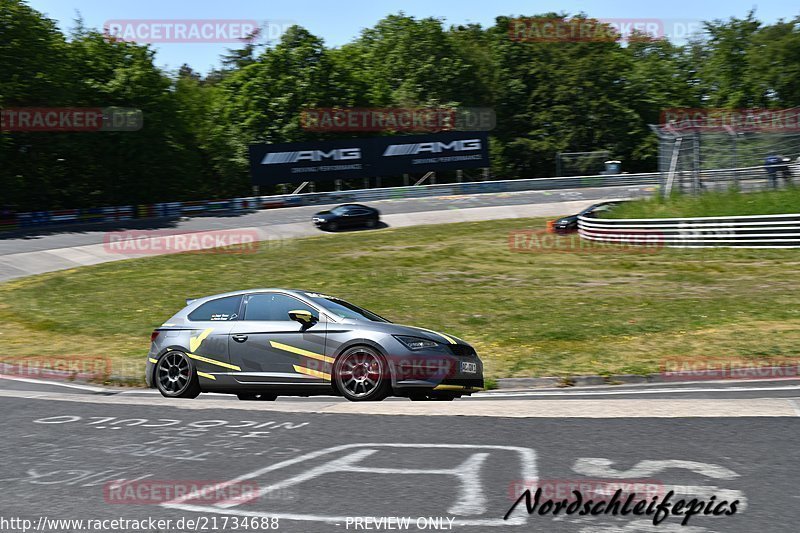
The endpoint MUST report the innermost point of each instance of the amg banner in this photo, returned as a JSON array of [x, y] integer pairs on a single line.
[[424, 153], [307, 161], [359, 158]]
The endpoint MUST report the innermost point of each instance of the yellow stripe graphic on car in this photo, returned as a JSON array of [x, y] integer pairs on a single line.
[[448, 339], [212, 361], [207, 376], [300, 351], [152, 360], [456, 387], [194, 342], [309, 372]]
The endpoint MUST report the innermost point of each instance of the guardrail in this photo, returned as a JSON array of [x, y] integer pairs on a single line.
[[756, 231], [202, 207]]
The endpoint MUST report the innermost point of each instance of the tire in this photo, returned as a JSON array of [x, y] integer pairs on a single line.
[[361, 374], [176, 377], [332, 226], [248, 397], [371, 223]]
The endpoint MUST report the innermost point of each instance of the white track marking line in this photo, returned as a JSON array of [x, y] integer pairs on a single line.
[[152, 391], [603, 468], [658, 384], [528, 470], [55, 383], [795, 405], [511, 408], [488, 395]]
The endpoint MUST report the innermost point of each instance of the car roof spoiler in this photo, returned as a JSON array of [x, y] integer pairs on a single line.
[[190, 300]]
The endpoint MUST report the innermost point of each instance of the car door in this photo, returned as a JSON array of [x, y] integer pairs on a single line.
[[346, 217], [270, 348], [357, 216]]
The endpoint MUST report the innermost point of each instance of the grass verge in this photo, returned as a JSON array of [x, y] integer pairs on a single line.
[[725, 203], [528, 314]]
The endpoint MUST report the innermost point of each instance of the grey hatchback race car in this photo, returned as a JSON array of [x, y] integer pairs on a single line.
[[262, 343]]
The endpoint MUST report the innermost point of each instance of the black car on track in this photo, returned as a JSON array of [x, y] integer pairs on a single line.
[[347, 216], [570, 224]]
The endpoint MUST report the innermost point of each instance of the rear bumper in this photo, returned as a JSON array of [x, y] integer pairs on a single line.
[[148, 374], [149, 371]]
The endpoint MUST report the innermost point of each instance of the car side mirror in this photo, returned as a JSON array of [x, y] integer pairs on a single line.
[[304, 317]]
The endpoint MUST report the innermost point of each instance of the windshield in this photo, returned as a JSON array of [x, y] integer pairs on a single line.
[[345, 309], [598, 208], [341, 210]]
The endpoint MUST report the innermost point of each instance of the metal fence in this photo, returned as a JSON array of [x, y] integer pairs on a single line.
[[706, 157]]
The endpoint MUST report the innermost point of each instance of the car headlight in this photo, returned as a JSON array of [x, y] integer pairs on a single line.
[[415, 343]]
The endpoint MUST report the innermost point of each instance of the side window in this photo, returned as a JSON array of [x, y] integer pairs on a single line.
[[273, 307], [220, 309]]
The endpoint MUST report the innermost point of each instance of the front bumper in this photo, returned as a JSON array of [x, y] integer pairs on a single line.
[[564, 229], [438, 372]]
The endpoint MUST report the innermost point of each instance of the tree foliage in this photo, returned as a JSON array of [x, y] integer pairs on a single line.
[[548, 97]]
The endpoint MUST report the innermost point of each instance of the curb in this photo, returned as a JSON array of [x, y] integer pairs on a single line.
[[577, 381], [529, 383]]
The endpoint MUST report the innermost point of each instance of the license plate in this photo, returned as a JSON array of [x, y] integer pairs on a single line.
[[469, 368]]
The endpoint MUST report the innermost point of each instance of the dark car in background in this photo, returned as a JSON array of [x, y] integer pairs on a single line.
[[347, 216], [569, 224]]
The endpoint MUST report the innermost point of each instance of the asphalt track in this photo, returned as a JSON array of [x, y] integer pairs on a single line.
[[82, 452], [47, 250], [315, 464]]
